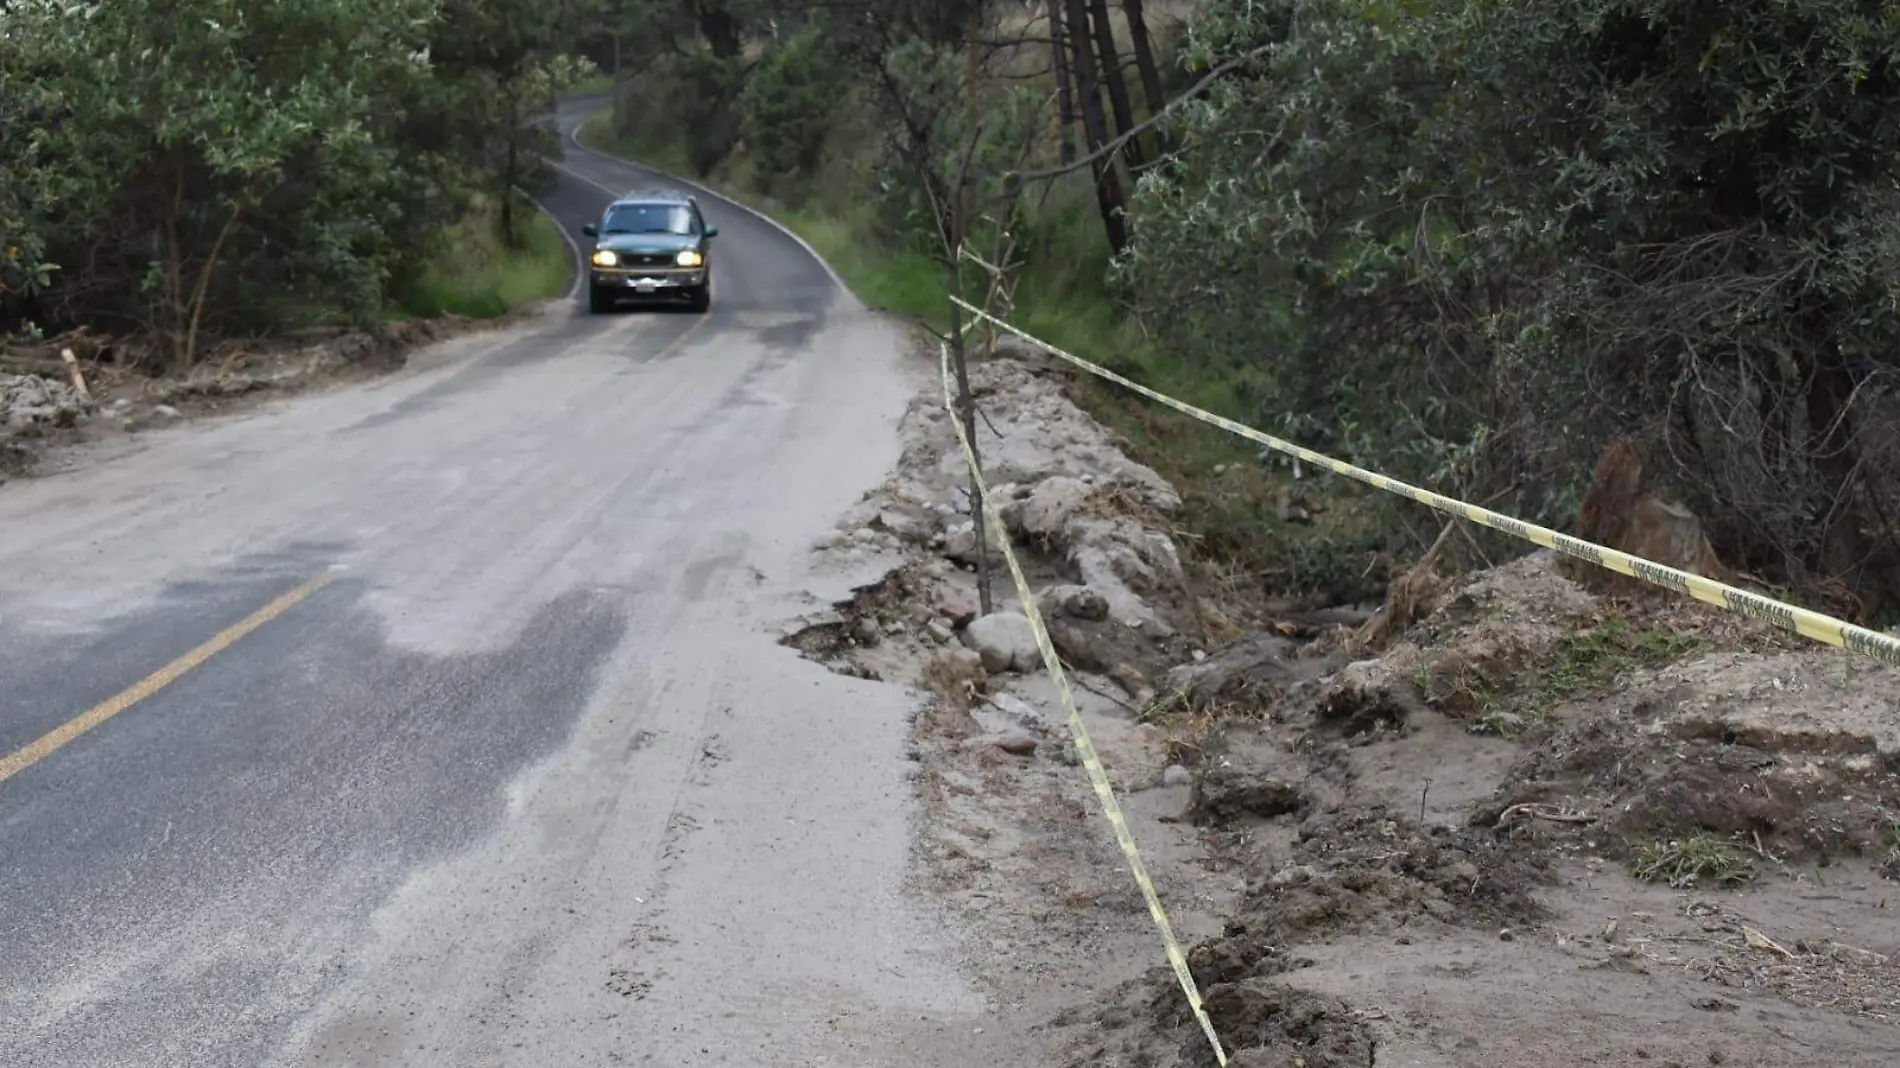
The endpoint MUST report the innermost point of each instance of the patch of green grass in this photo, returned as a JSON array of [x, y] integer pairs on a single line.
[[476, 274], [1505, 698], [1587, 661], [599, 83], [1698, 860], [900, 281]]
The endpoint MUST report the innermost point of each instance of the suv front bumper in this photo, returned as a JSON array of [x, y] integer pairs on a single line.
[[642, 280]]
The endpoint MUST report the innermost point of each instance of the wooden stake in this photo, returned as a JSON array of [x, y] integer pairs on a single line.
[[79, 380]]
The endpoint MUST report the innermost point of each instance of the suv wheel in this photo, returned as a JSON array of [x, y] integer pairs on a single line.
[[699, 299], [598, 302]]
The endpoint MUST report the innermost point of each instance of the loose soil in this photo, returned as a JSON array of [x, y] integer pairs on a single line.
[[1518, 823], [127, 399]]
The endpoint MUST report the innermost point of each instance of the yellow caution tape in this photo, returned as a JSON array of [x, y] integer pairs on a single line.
[[1084, 747], [1802, 621]]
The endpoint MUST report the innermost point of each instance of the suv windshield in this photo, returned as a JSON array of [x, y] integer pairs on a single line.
[[650, 219]]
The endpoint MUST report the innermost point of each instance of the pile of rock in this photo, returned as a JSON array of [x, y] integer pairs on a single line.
[[1067, 493], [30, 400]]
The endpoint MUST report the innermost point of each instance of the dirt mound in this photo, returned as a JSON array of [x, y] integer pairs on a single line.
[[1561, 737], [1262, 1024], [1768, 760], [1367, 870]]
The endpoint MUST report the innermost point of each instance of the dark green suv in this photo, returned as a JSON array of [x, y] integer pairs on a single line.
[[651, 246]]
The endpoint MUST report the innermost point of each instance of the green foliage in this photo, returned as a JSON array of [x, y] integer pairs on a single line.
[[198, 165], [475, 273], [1699, 861], [24, 270], [788, 105], [1467, 241], [688, 103]]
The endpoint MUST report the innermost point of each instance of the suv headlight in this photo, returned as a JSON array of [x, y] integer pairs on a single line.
[[605, 258], [689, 258]]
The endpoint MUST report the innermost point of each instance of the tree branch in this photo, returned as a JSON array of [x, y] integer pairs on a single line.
[[1112, 147]]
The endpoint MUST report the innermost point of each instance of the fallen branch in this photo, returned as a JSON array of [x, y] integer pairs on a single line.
[[1542, 812]]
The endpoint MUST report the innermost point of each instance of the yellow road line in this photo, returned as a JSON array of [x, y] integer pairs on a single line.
[[34, 752]]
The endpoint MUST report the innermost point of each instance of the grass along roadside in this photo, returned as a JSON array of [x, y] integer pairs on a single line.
[[476, 274], [1247, 529]]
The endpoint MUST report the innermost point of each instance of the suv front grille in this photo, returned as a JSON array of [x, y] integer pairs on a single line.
[[647, 259]]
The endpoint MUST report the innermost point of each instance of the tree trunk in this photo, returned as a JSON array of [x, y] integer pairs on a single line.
[[511, 176], [1146, 67], [1065, 102], [1110, 57], [721, 30], [1833, 453], [1108, 186], [201, 291]]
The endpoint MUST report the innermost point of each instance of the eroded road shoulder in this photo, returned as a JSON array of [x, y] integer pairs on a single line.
[[529, 781]]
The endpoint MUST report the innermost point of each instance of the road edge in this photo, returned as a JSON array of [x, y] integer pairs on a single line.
[[580, 258], [574, 136]]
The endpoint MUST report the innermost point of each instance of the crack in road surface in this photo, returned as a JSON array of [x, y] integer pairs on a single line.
[[530, 783]]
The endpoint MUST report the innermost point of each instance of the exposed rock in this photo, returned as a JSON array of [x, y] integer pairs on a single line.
[[1130, 679], [1366, 695], [940, 631], [954, 603], [1118, 558], [1051, 506], [1076, 602], [1016, 743], [1619, 511], [1224, 794], [1005, 641], [28, 400], [959, 542], [1015, 708], [903, 526], [1254, 671]]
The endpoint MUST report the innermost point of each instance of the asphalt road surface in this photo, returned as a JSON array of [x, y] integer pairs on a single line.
[[440, 720]]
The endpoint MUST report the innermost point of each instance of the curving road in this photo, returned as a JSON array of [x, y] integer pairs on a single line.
[[440, 720]]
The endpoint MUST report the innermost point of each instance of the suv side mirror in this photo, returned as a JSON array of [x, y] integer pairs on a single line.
[[712, 231], [590, 230]]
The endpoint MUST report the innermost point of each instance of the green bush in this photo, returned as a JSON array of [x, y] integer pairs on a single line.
[[474, 272], [789, 105], [1469, 242], [688, 104]]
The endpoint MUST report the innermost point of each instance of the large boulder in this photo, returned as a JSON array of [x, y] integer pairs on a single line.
[[1005, 641]]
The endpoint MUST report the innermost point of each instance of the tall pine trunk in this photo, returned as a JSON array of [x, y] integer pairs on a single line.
[[1110, 57], [1108, 187], [1065, 101], [1146, 68]]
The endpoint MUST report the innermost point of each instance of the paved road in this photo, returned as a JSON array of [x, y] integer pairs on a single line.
[[481, 751]]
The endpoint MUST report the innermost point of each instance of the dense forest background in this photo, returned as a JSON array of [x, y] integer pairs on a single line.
[[1467, 242]]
